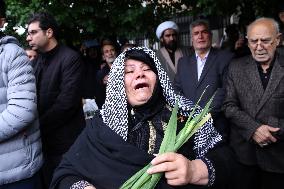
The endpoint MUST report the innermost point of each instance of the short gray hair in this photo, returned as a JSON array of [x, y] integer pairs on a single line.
[[271, 20]]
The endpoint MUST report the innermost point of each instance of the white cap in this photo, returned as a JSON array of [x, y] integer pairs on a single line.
[[164, 26]]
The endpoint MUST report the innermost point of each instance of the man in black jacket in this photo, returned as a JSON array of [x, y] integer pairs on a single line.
[[58, 71], [204, 69]]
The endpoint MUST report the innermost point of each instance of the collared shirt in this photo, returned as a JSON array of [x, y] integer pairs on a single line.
[[200, 63]]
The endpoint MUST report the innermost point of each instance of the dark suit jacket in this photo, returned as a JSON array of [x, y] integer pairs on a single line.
[[248, 106], [213, 76], [58, 76]]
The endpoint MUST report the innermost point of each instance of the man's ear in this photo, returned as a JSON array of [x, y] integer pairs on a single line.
[[278, 37], [49, 33], [2, 22]]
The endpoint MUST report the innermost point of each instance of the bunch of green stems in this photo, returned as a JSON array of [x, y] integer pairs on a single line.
[[171, 143]]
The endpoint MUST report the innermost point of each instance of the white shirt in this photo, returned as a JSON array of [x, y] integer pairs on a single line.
[[200, 63]]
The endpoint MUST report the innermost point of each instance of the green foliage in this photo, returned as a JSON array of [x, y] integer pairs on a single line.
[[126, 17]]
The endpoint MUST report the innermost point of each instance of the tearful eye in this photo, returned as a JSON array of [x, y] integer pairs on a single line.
[[141, 85]]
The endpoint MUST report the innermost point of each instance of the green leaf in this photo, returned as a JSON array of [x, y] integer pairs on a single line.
[[171, 143], [169, 139], [130, 182]]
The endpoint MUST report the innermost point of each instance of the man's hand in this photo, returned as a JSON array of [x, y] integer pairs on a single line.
[[179, 170], [262, 136]]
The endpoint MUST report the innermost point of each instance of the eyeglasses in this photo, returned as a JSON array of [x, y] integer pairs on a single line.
[[33, 32]]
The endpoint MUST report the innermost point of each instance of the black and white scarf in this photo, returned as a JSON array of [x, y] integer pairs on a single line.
[[115, 113]]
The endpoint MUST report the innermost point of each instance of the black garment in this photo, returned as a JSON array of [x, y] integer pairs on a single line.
[[90, 84], [265, 76], [172, 56], [114, 160], [58, 74], [250, 176], [28, 183], [58, 77], [139, 130], [47, 170], [101, 92]]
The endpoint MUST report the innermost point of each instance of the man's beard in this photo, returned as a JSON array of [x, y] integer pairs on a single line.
[[171, 46], [110, 60]]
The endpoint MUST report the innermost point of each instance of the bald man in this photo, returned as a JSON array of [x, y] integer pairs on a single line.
[[254, 103]]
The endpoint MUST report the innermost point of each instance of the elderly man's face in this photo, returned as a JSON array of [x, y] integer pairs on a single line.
[[139, 82], [109, 53], [169, 39], [262, 41]]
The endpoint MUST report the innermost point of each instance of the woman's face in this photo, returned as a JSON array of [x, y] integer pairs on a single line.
[[139, 82]]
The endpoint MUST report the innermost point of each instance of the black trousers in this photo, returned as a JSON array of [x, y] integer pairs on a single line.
[[248, 177], [47, 170], [28, 183]]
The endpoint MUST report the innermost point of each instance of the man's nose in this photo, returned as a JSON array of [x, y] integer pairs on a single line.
[[200, 35], [28, 38], [259, 45]]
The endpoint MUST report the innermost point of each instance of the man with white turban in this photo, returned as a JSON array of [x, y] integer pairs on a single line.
[[170, 52]]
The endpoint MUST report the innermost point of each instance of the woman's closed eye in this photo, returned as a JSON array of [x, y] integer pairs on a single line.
[[146, 68], [128, 71]]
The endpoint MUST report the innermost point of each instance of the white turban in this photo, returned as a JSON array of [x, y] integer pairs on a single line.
[[164, 26]]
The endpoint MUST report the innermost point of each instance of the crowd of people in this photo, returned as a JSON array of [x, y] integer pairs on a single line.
[[47, 142]]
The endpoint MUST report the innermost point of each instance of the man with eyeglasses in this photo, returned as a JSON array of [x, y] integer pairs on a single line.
[[58, 71], [255, 105]]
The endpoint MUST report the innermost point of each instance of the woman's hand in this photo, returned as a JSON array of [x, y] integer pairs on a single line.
[[179, 170]]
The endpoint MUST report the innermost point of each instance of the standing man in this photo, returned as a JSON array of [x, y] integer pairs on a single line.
[[20, 145], [109, 54], [254, 104], [170, 52], [205, 69], [58, 72]]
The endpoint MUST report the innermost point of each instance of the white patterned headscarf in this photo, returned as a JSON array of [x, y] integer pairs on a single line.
[[115, 113]]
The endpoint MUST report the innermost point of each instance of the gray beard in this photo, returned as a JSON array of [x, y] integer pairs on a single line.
[[110, 60]]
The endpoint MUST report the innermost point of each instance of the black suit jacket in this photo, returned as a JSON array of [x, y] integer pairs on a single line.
[[213, 76], [248, 106], [58, 76]]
